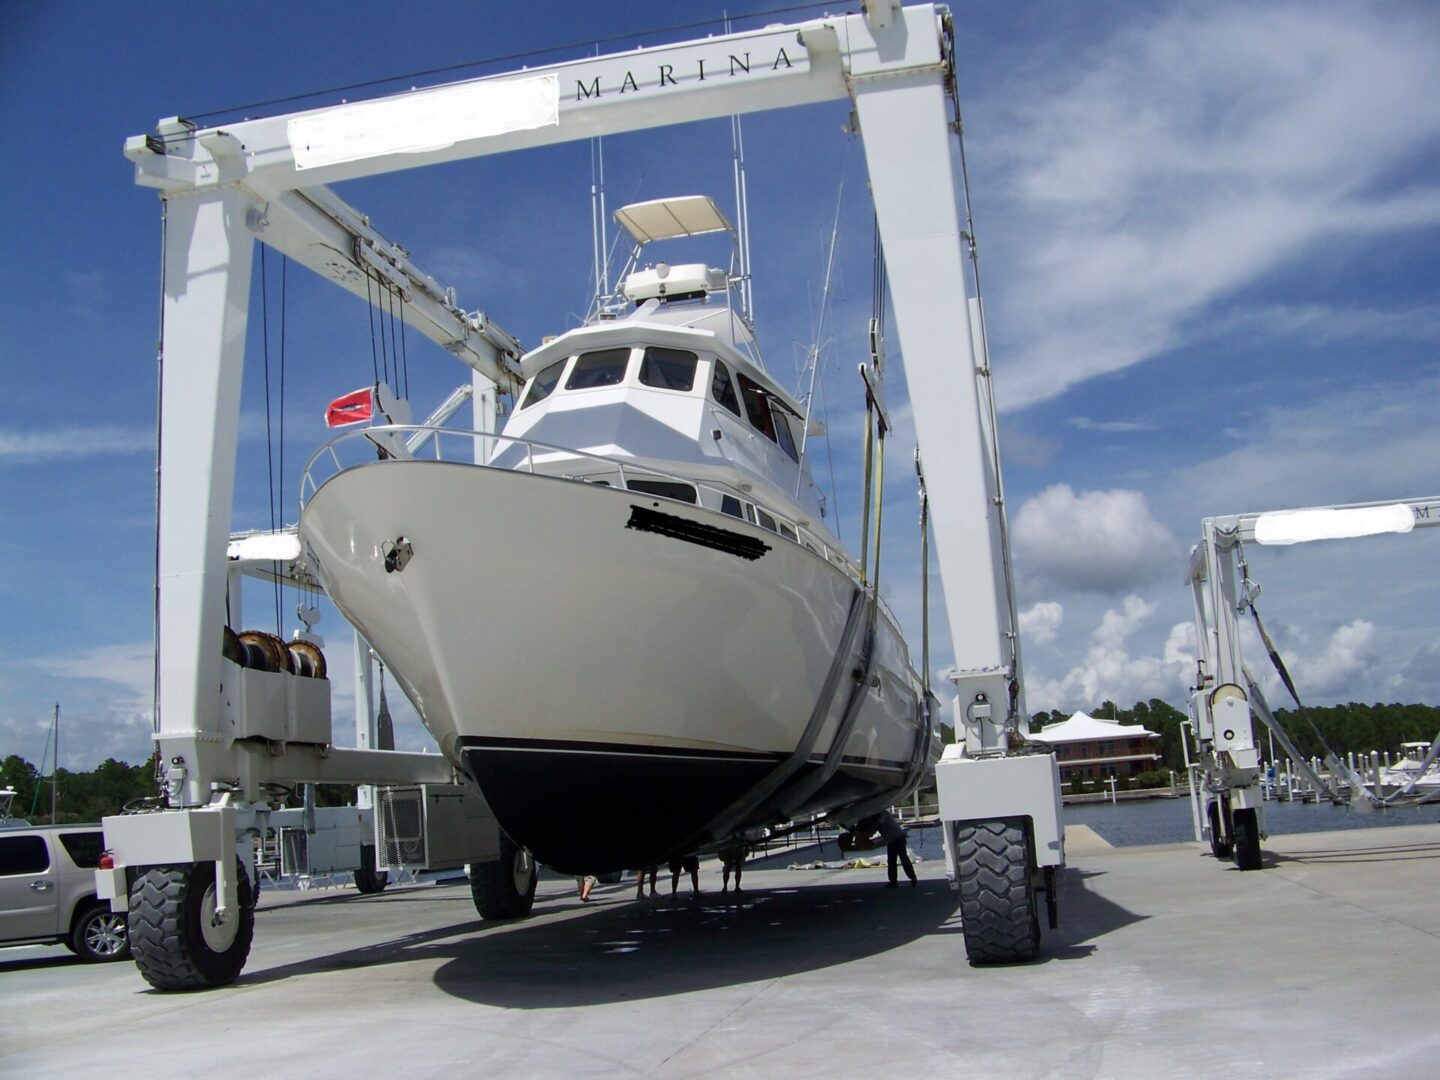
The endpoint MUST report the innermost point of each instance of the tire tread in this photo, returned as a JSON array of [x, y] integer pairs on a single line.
[[997, 897]]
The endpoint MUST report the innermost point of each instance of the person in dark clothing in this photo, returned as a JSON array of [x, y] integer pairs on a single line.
[[689, 864], [893, 833], [731, 858]]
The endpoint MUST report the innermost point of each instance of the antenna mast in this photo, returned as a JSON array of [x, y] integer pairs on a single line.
[[597, 215]]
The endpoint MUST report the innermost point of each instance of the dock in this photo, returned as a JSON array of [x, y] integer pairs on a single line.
[[1326, 963]]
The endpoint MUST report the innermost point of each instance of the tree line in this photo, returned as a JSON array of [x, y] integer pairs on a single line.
[[1354, 727], [82, 796], [108, 789], [1351, 728]]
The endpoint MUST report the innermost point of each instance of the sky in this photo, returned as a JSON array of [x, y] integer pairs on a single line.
[[1207, 238]]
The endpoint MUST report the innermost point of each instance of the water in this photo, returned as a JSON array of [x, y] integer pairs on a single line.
[[1168, 821]]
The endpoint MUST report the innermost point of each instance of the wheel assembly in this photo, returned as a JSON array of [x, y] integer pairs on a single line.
[[998, 912], [176, 940], [505, 889], [368, 880], [1247, 839]]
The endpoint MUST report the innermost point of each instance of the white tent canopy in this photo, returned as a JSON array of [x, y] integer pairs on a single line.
[[1082, 727]]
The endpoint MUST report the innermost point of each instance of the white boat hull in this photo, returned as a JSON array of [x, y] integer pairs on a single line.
[[623, 676]]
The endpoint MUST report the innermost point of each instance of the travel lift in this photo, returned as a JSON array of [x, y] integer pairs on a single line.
[[222, 188], [1226, 695]]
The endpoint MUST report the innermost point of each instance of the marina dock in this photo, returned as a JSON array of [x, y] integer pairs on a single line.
[[1324, 964]]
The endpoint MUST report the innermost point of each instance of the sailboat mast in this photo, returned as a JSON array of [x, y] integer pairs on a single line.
[[55, 768]]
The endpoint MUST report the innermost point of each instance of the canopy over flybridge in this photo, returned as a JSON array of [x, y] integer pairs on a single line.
[[665, 219]]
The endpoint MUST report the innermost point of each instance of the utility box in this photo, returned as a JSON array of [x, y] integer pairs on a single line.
[[433, 827], [332, 843]]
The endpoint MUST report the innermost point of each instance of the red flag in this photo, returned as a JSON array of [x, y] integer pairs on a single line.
[[353, 408]]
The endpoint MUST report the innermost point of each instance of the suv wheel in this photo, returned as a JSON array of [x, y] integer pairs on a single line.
[[99, 935]]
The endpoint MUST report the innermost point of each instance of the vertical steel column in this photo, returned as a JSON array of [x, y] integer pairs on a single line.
[[208, 256], [917, 198]]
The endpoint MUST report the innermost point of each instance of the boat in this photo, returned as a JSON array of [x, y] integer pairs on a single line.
[[1413, 774], [626, 616]]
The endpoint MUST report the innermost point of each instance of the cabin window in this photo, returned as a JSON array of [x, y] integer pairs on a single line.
[[543, 384], [787, 532], [782, 431], [766, 521], [723, 390], [669, 369], [604, 367], [666, 489], [757, 407], [731, 505]]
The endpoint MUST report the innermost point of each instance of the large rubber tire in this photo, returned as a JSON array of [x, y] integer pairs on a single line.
[[1220, 844], [99, 936], [998, 914], [368, 880], [505, 889], [1247, 839], [174, 943]]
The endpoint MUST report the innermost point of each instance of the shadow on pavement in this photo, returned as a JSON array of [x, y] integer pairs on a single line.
[[623, 950]]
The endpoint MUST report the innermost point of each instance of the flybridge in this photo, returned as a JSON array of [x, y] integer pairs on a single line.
[[665, 75]]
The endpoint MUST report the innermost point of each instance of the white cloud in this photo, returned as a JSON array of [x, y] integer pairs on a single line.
[[70, 443], [1376, 441], [1040, 623], [1322, 673], [1324, 325], [1418, 679], [127, 670], [1186, 157], [1108, 670], [73, 442], [1100, 541], [1084, 423]]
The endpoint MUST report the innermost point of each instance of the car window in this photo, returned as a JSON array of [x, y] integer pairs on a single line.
[[84, 848], [23, 855]]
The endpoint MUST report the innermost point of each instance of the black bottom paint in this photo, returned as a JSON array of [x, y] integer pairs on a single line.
[[613, 807]]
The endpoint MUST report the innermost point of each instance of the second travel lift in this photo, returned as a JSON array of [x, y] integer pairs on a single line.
[[1226, 695]]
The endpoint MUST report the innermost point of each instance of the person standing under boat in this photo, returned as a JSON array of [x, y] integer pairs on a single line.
[[640, 875], [731, 858], [896, 849], [689, 864]]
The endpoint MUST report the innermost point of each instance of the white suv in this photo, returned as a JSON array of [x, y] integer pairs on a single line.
[[47, 892]]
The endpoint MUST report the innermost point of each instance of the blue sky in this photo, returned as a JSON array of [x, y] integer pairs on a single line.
[[1207, 236]]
